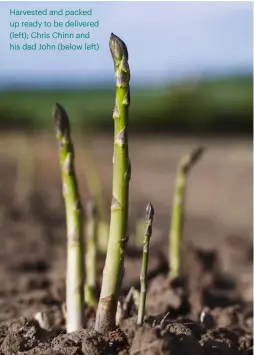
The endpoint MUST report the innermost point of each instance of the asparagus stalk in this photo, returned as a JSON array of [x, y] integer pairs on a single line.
[[91, 254], [138, 234], [114, 264], [74, 222], [144, 267], [124, 309], [177, 215]]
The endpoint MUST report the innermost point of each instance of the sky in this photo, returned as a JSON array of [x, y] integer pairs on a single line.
[[166, 41]]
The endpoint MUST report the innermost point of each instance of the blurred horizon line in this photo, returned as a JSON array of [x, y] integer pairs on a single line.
[[80, 82]]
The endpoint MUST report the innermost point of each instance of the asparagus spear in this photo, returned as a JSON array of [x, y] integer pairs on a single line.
[[74, 221], [91, 254], [145, 258], [114, 264], [177, 215]]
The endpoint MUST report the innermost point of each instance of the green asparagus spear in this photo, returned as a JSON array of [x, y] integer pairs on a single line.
[[145, 259], [74, 222], [114, 264], [139, 231], [91, 254], [177, 215]]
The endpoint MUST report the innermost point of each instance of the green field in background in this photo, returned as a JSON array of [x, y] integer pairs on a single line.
[[216, 104]]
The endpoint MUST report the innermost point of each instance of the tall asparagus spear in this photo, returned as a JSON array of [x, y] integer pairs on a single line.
[[177, 214], [91, 254], [74, 221], [145, 258], [114, 264]]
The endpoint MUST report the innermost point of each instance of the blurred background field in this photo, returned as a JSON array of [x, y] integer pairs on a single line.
[[191, 80], [218, 105], [191, 70]]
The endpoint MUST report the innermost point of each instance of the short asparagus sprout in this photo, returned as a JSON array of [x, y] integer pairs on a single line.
[[144, 267], [131, 299], [124, 308], [91, 254], [177, 215], [119, 313], [74, 221], [114, 264]]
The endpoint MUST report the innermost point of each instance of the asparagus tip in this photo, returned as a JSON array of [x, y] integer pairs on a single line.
[[118, 48], [196, 154], [190, 159], [149, 211], [61, 119]]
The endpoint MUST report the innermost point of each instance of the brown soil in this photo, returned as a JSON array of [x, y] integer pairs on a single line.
[[208, 312]]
